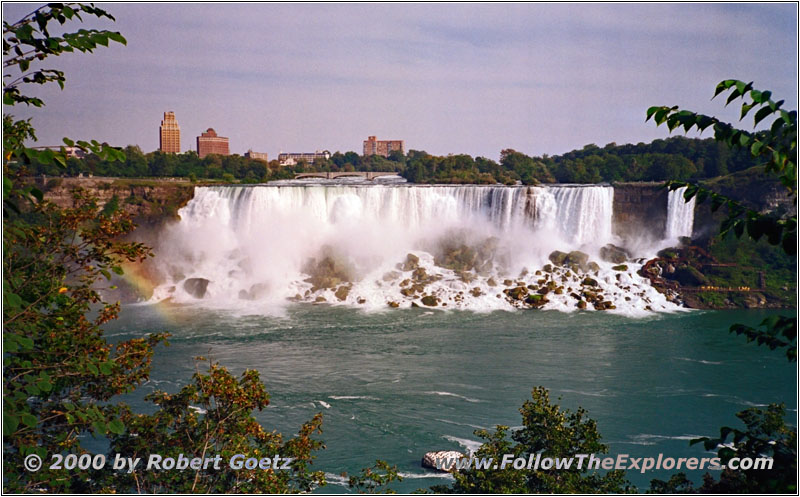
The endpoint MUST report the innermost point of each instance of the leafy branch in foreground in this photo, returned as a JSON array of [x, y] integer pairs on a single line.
[[766, 433], [777, 144], [777, 230], [212, 416], [61, 376], [374, 480], [552, 432], [29, 40], [779, 331]]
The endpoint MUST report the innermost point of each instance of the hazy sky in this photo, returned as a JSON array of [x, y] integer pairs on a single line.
[[446, 78]]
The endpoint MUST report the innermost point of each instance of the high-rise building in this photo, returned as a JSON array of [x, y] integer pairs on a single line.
[[209, 143], [373, 146], [169, 136], [256, 155]]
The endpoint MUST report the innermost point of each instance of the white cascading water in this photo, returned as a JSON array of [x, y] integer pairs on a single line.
[[253, 244], [680, 215]]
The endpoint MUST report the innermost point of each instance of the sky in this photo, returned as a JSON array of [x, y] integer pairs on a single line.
[[446, 77]]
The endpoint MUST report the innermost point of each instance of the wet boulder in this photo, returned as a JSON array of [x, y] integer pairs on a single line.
[[557, 257], [328, 272], [411, 263], [668, 253], [342, 292], [430, 301], [517, 293], [255, 292], [196, 287], [578, 258], [536, 300], [612, 253], [589, 282]]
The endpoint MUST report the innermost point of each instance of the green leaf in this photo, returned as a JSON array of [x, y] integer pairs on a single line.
[[12, 300], [10, 424], [117, 270], [745, 109], [761, 115], [25, 342], [29, 420], [38, 194], [92, 369], [100, 427], [116, 426], [106, 367], [10, 346], [113, 35]]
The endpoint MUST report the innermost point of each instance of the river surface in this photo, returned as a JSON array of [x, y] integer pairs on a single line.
[[406, 381]]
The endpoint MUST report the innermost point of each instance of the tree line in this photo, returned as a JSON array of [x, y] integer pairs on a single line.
[[676, 158]]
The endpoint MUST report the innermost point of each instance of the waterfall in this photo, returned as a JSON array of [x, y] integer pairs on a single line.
[[271, 243], [680, 215]]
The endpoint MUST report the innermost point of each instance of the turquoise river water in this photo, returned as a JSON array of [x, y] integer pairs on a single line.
[[394, 385]]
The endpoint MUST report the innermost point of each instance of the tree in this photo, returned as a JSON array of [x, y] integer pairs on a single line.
[[213, 416], [60, 373], [766, 431], [551, 432]]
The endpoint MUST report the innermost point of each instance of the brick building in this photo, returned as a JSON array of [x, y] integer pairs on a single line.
[[373, 146], [209, 143], [169, 134]]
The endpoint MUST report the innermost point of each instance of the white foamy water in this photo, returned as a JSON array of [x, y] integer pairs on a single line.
[[254, 245]]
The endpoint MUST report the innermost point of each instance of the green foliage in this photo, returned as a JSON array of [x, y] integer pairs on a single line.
[[60, 374], [29, 41], [59, 371], [778, 331], [374, 480], [767, 433], [674, 158], [213, 416], [552, 432], [777, 146], [677, 484]]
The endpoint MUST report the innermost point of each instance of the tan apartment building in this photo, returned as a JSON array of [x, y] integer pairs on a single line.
[[294, 158], [209, 143], [169, 134], [256, 155], [373, 146]]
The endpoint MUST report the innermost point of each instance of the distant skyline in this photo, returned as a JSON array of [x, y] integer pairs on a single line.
[[445, 78]]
